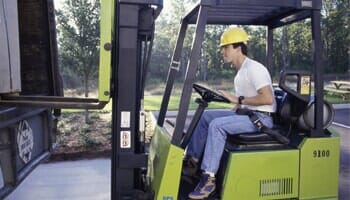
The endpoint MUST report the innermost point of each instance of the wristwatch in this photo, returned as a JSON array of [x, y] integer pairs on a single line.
[[240, 99]]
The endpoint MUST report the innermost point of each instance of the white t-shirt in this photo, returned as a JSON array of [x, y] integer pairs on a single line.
[[251, 77]]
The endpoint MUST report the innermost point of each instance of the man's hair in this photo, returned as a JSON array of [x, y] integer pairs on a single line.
[[243, 46]]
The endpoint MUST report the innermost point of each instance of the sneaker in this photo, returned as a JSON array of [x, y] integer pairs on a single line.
[[204, 188], [189, 167]]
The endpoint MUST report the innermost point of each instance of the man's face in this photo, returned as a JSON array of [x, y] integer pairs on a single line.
[[229, 53]]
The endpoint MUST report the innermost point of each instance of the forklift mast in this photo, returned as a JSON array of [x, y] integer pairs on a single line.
[[133, 43], [31, 89]]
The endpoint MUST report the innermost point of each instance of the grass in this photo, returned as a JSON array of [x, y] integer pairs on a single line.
[[336, 99], [154, 94], [153, 102]]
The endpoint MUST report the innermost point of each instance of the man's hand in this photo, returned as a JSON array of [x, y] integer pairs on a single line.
[[229, 96]]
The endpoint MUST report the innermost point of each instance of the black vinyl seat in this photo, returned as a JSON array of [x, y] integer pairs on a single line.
[[281, 120]]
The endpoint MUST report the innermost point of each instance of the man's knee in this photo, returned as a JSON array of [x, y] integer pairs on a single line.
[[205, 118], [216, 127]]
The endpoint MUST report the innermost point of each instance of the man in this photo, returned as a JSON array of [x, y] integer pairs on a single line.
[[253, 90]]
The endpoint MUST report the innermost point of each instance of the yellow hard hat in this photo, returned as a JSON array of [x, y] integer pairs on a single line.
[[233, 35]]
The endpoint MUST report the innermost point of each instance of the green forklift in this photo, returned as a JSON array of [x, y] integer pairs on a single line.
[[298, 160]]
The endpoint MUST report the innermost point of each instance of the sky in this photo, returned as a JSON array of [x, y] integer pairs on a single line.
[[58, 3]]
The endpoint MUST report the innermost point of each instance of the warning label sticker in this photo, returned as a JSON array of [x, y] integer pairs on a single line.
[[305, 85], [125, 119], [25, 141], [125, 139]]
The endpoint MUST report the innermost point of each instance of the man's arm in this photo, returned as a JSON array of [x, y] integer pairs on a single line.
[[264, 97]]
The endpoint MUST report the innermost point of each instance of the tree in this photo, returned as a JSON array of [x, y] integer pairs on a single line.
[[292, 44], [336, 34], [167, 27], [284, 44], [78, 25], [215, 67]]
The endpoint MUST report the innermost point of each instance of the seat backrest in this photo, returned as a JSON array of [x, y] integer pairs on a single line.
[[283, 111]]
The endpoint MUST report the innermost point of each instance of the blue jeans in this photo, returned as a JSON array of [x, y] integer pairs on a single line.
[[211, 132]]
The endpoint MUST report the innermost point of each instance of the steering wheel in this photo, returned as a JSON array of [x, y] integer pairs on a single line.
[[209, 94]]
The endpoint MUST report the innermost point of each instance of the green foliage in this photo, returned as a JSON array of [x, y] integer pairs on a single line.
[[214, 68], [336, 99], [78, 35], [257, 42], [94, 116], [74, 128], [153, 103], [85, 129], [292, 46], [336, 32], [88, 141], [167, 28]]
